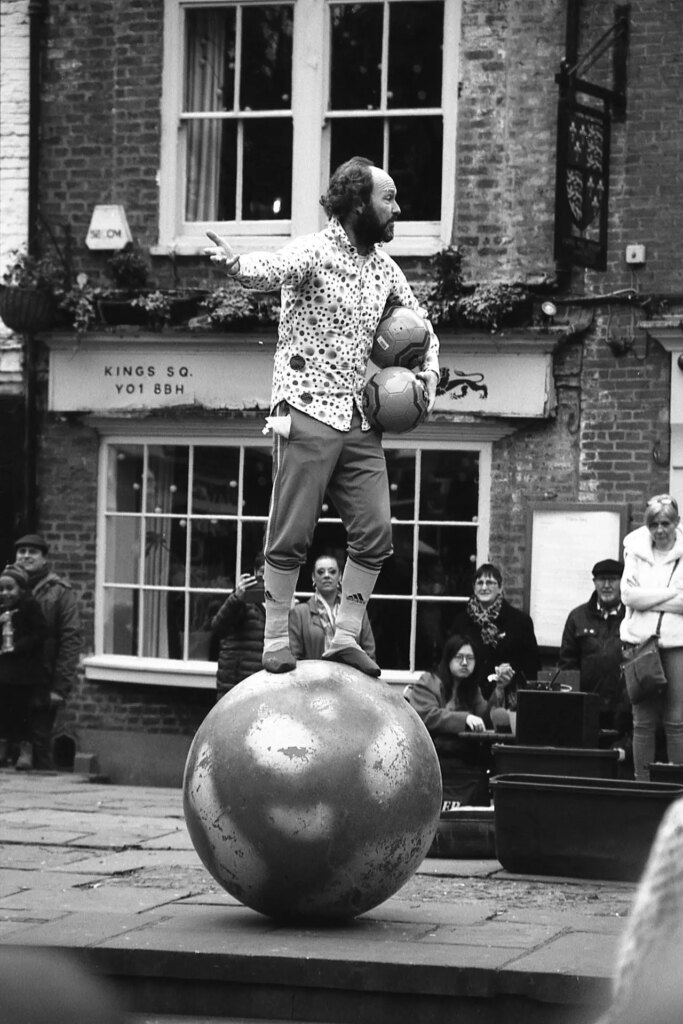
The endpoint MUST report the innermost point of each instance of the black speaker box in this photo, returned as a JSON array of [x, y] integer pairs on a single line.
[[549, 719]]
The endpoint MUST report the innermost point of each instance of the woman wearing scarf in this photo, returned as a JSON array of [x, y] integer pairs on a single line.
[[504, 637], [312, 624]]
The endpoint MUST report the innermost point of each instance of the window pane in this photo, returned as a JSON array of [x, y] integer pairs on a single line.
[[450, 485], [415, 165], [258, 474], [167, 468], [122, 556], [210, 170], [432, 629], [252, 545], [159, 558], [215, 481], [163, 617], [120, 621], [209, 58], [390, 621], [455, 550], [396, 576], [266, 58], [267, 187], [401, 470], [124, 478], [355, 76], [213, 552], [415, 54], [362, 137], [200, 640]]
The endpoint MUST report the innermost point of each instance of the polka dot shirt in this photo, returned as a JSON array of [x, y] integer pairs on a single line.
[[332, 300]]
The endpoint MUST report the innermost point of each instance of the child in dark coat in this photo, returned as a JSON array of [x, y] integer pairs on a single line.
[[22, 631]]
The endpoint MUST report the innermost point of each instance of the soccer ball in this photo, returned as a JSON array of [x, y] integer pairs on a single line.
[[401, 339], [395, 400]]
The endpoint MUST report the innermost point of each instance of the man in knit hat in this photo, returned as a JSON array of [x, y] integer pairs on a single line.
[[62, 646]]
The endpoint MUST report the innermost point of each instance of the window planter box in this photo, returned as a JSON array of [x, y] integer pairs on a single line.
[[120, 310], [665, 772], [577, 762], [577, 828]]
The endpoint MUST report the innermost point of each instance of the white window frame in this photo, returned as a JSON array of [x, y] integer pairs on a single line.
[[310, 146], [202, 674]]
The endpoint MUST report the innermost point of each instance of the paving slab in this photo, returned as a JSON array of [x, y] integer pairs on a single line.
[[110, 872]]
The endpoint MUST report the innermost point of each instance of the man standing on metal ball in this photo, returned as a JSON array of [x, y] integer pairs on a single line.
[[335, 285]]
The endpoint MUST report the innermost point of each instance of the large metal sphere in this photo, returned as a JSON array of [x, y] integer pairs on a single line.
[[314, 794]]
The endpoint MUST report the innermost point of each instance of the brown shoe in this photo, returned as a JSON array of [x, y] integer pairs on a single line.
[[25, 759], [354, 657], [278, 661]]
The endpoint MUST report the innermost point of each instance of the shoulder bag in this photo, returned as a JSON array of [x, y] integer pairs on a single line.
[[642, 668]]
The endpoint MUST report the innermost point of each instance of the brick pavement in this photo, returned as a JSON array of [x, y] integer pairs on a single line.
[[109, 872]]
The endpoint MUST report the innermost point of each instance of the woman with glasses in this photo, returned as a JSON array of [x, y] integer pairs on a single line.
[[504, 638], [449, 701], [652, 593]]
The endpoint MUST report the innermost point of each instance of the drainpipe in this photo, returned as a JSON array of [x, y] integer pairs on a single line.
[[36, 12]]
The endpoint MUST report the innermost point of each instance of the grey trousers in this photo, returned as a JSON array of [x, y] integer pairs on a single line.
[[347, 465]]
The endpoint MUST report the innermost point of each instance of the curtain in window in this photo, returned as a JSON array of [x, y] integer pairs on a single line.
[[157, 558], [206, 50]]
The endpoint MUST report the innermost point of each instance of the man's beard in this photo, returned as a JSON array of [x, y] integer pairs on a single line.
[[370, 230]]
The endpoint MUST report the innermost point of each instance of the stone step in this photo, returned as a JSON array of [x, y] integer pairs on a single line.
[[173, 1018]]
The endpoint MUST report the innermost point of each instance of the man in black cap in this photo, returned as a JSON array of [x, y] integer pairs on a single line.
[[591, 643], [62, 645]]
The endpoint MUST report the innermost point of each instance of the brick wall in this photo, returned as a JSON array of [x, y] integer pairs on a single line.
[[101, 98], [14, 122], [506, 137]]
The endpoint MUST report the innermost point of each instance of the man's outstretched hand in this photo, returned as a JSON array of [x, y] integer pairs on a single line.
[[222, 253]]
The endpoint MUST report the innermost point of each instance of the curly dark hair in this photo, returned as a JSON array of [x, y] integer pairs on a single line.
[[467, 688], [350, 184]]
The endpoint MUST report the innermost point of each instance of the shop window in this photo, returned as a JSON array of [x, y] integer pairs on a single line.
[[180, 522], [253, 125]]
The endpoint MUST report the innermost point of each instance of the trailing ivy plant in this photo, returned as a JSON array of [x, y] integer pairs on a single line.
[[450, 302], [442, 301], [80, 303], [41, 273], [491, 305], [230, 304], [129, 269], [157, 306]]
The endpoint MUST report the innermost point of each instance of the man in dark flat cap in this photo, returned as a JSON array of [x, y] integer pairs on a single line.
[[591, 643], [62, 645]]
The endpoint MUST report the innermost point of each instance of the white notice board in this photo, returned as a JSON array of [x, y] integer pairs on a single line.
[[563, 544]]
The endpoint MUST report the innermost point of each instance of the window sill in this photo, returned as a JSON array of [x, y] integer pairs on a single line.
[[421, 240], [198, 675], [112, 668]]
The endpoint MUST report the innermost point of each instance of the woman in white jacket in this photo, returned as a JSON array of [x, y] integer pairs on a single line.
[[653, 583]]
